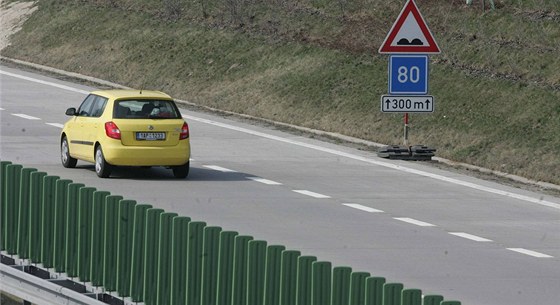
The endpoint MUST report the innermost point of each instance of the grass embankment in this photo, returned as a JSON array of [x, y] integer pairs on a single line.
[[314, 63]]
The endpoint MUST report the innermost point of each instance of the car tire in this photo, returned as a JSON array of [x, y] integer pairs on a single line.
[[181, 171], [102, 168], [67, 160]]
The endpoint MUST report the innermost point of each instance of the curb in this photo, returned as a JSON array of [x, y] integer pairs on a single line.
[[332, 135]]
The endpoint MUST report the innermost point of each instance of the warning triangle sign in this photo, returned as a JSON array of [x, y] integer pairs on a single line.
[[410, 34]]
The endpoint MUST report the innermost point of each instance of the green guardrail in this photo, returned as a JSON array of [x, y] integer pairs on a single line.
[[161, 258]]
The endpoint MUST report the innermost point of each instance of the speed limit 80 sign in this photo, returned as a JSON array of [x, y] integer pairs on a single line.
[[408, 74]]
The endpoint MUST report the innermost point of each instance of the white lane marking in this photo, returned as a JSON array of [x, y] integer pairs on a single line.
[[312, 194], [362, 207], [414, 222], [219, 168], [381, 163], [265, 181], [470, 236], [25, 116], [2, 109], [44, 82], [55, 125], [530, 252], [334, 152]]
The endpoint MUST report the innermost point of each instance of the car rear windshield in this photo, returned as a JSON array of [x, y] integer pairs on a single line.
[[145, 109]]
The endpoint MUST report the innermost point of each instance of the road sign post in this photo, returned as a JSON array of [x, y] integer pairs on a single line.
[[407, 43]]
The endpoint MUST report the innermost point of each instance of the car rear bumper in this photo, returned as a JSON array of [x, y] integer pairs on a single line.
[[117, 154]]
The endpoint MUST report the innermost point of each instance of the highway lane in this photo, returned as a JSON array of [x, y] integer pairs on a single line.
[[446, 233]]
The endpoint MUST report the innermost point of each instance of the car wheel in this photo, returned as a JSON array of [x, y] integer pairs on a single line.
[[181, 171], [102, 168], [67, 160]]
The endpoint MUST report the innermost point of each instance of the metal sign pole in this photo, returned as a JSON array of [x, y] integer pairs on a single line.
[[406, 129]]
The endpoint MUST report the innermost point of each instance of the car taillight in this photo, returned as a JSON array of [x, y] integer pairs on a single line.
[[184, 131], [112, 130]]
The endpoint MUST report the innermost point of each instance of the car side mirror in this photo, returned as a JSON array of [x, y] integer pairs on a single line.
[[71, 111]]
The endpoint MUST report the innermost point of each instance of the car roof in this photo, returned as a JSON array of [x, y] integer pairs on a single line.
[[131, 93]]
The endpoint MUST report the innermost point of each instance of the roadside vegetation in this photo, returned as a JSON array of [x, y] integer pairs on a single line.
[[314, 63]]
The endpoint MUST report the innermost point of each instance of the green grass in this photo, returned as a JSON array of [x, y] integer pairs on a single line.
[[310, 63]]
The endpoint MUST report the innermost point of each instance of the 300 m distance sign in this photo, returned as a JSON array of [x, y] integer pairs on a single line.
[[407, 103]]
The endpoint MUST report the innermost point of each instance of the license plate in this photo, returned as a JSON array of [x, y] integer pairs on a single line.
[[150, 136]]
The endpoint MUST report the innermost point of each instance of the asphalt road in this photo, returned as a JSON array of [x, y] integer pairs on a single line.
[[467, 239]]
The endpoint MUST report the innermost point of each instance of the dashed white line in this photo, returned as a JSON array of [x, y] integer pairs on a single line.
[[397, 167], [414, 222], [312, 194], [470, 236], [530, 253], [25, 116], [265, 181], [2, 109], [362, 208], [55, 125], [220, 169]]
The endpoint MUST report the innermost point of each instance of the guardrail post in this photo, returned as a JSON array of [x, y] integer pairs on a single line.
[[450, 303], [211, 246], [35, 213], [256, 266], [240, 269], [179, 260], [321, 283], [110, 242], [23, 213], [72, 229], [194, 261], [304, 280], [60, 207], [289, 276], [432, 299], [341, 285], [164, 258], [358, 288], [84, 233], [10, 214], [151, 249], [272, 274], [4, 199], [138, 252], [392, 293], [374, 290], [48, 232], [124, 245], [225, 267], [97, 236], [411, 297]]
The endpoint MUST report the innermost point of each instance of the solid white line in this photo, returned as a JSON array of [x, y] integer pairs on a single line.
[[380, 163], [312, 194], [25, 116], [334, 152], [415, 222], [2, 109], [265, 181], [470, 236], [219, 168], [362, 207], [44, 82], [55, 125], [530, 253]]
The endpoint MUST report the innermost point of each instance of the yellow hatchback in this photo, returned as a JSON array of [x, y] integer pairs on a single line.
[[126, 128]]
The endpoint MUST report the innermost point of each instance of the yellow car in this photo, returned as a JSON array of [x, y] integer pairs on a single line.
[[126, 128]]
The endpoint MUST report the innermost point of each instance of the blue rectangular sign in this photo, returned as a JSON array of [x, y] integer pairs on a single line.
[[408, 74]]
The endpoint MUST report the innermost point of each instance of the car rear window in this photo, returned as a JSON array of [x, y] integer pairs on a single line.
[[145, 109]]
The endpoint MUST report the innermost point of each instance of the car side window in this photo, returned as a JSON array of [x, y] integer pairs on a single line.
[[98, 106], [85, 107]]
